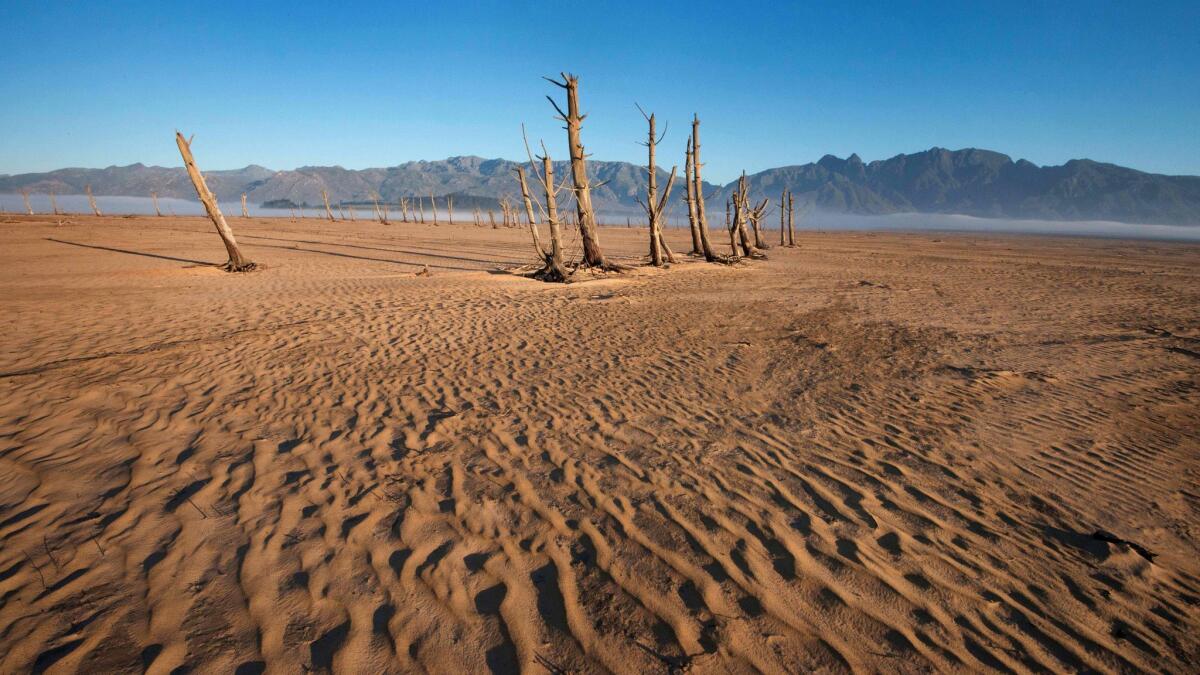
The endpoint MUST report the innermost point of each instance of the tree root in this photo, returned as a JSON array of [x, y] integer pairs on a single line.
[[244, 267]]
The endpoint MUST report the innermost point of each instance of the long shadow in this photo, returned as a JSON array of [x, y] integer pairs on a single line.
[[379, 248], [363, 257], [121, 250]]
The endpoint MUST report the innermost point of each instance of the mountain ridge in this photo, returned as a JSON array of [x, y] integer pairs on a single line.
[[970, 181]]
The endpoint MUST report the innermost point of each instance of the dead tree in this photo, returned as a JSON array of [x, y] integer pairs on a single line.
[[245, 213], [433, 205], [54, 204], [449, 210], [28, 206], [690, 197], [328, 211], [492, 218], [783, 218], [756, 216], [698, 193], [756, 225], [791, 219], [653, 206], [421, 209], [92, 202], [293, 210], [585, 214], [350, 209], [741, 213], [237, 262], [157, 212], [533, 229], [386, 217]]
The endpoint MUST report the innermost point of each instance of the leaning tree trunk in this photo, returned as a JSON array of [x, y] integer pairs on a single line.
[[533, 230], [324, 198], [92, 202], [154, 196], [237, 262], [433, 205], [586, 215], [698, 189]]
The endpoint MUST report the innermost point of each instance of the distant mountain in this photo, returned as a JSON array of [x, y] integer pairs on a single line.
[[987, 184], [970, 182]]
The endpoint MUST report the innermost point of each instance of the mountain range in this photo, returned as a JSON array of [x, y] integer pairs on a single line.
[[968, 182]]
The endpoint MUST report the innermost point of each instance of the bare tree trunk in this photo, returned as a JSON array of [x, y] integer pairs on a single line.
[[92, 202], [651, 205], [537, 238], [28, 206], [421, 209], [433, 205], [245, 213], [690, 196], [293, 210], [449, 209], [755, 216], [593, 256], [791, 221], [328, 211], [782, 218], [701, 218], [385, 214], [237, 262], [492, 218], [351, 209], [555, 269], [54, 204], [154, 196], [741, 213]]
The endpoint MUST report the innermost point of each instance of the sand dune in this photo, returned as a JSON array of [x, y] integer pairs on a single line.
[[871, 453]]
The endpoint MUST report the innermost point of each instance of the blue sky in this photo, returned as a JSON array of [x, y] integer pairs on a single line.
[[375, 84]]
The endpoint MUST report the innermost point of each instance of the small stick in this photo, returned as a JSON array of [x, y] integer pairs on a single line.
[[202, 513], [46, 545], [98, 546], [39, 570]]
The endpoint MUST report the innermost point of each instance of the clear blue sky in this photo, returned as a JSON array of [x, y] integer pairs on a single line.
[[375, 84]]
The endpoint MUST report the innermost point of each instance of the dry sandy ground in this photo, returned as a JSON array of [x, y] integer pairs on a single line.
[[871, 453]]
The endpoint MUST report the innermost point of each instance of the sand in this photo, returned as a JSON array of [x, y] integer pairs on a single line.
[[870, 453]]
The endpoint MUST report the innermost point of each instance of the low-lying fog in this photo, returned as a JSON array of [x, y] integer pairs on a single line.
[[813, 221]]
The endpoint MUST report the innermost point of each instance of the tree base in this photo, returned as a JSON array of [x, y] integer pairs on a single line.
[[236, 267]]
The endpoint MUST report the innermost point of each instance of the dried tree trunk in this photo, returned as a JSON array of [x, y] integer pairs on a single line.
[[555, 269], [385, 214], [741, 209], [328, 211], [154, 196], [92, 202], [701, 218], [782, 218], [433, 205], [351, 210], [492, 218], [28, 206], [791, 222], [293, 210], [593, 256], [237, 262], [651, 205], [245, 213], [756, 216], [449, 209], [54, 204], [690, 196], [533, 230]]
